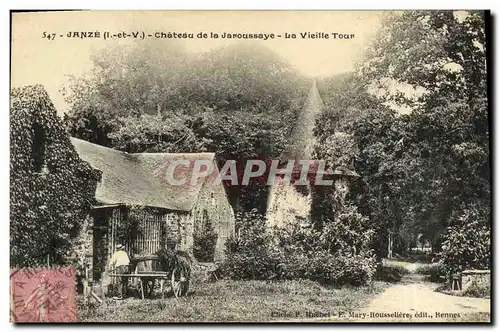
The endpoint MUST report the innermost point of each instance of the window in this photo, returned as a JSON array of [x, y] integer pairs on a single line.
[[38, 149]]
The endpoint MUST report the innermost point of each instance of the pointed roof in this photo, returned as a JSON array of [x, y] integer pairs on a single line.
[[301, 146], [303, 139], [314, 103]]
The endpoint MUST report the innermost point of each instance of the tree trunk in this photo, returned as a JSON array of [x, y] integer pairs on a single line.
[[390, 245], [158, 110]]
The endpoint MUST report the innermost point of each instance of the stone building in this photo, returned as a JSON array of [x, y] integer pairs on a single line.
[[137, 207], [290, 203]]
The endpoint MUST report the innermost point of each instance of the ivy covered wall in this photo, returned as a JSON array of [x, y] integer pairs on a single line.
[[51, 188]]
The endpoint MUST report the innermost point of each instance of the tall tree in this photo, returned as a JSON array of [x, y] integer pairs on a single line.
[[421, 169], [156, 98], [440, 58]]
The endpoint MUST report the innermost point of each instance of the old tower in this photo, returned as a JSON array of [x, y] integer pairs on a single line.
[[289, 203]]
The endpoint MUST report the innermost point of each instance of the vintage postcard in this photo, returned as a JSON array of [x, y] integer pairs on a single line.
[[250, 166]]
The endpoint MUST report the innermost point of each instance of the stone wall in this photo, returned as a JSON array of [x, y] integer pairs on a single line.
[[186, 233], [478, 276], [213, 207], [286, 205]]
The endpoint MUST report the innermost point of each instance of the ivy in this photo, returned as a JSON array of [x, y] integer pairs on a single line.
[[48, 204]]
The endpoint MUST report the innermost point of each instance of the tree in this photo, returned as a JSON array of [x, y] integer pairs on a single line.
[[437, 53], [156, 98], [360, 128], [445, 141], [467, 241], [420, 168], [127, 80]]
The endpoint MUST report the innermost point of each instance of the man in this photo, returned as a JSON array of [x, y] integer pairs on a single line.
[[40, 299], [119, 263]]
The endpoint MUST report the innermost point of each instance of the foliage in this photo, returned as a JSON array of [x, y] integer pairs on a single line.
[[441, 52], [243, 75], [248, 254], [435, 272], [466, 243], [124, 81], [338, 150], [204, 241], [336, 254], [442, 151], [177, 259], [156, 98], [157, 133], [355, 270], [52, 189], [130, 227], [82, 248], [417, 109], [392, 273], [478, 289]]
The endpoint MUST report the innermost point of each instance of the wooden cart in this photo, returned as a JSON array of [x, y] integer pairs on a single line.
[[149, 269]]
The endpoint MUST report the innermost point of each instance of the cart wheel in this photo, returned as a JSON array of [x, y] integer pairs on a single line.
[[179, 282]]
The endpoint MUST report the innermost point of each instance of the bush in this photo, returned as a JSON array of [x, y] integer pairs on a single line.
[[258, 266], [204, 242], [466, 243], [390, 273], [336, 253], [436, 272], [339, 270], [248, 254], [325, 268], [294, 253], [477, 289]]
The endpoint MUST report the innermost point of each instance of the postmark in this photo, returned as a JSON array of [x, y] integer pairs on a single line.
[[43, 295]]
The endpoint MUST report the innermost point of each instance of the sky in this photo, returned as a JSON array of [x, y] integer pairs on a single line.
[[38, 60]]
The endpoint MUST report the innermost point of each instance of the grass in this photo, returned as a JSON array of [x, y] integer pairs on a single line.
[[427, 268], [479, 290], [397, 263], [237, 301]]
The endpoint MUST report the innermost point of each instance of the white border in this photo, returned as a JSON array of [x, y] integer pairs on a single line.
[[256, 4]]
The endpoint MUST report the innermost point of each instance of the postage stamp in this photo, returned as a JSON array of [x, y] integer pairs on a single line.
[[174, 155], [41, 295]]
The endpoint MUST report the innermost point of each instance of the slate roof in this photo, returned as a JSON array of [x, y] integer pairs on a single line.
[[139, 178]]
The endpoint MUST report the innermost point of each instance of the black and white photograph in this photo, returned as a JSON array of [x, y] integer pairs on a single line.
[[244, 166]]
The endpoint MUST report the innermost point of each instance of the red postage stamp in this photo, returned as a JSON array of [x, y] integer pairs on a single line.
[[43, 295]]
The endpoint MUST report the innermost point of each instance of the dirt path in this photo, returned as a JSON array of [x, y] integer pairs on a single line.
[[415, 300]]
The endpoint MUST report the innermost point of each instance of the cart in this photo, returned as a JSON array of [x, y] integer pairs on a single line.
[[149, 268]]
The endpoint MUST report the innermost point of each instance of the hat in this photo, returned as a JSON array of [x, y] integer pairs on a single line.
[[119, 246]]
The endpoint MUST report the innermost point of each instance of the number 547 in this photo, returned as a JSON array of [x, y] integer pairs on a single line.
[[49, 36]]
